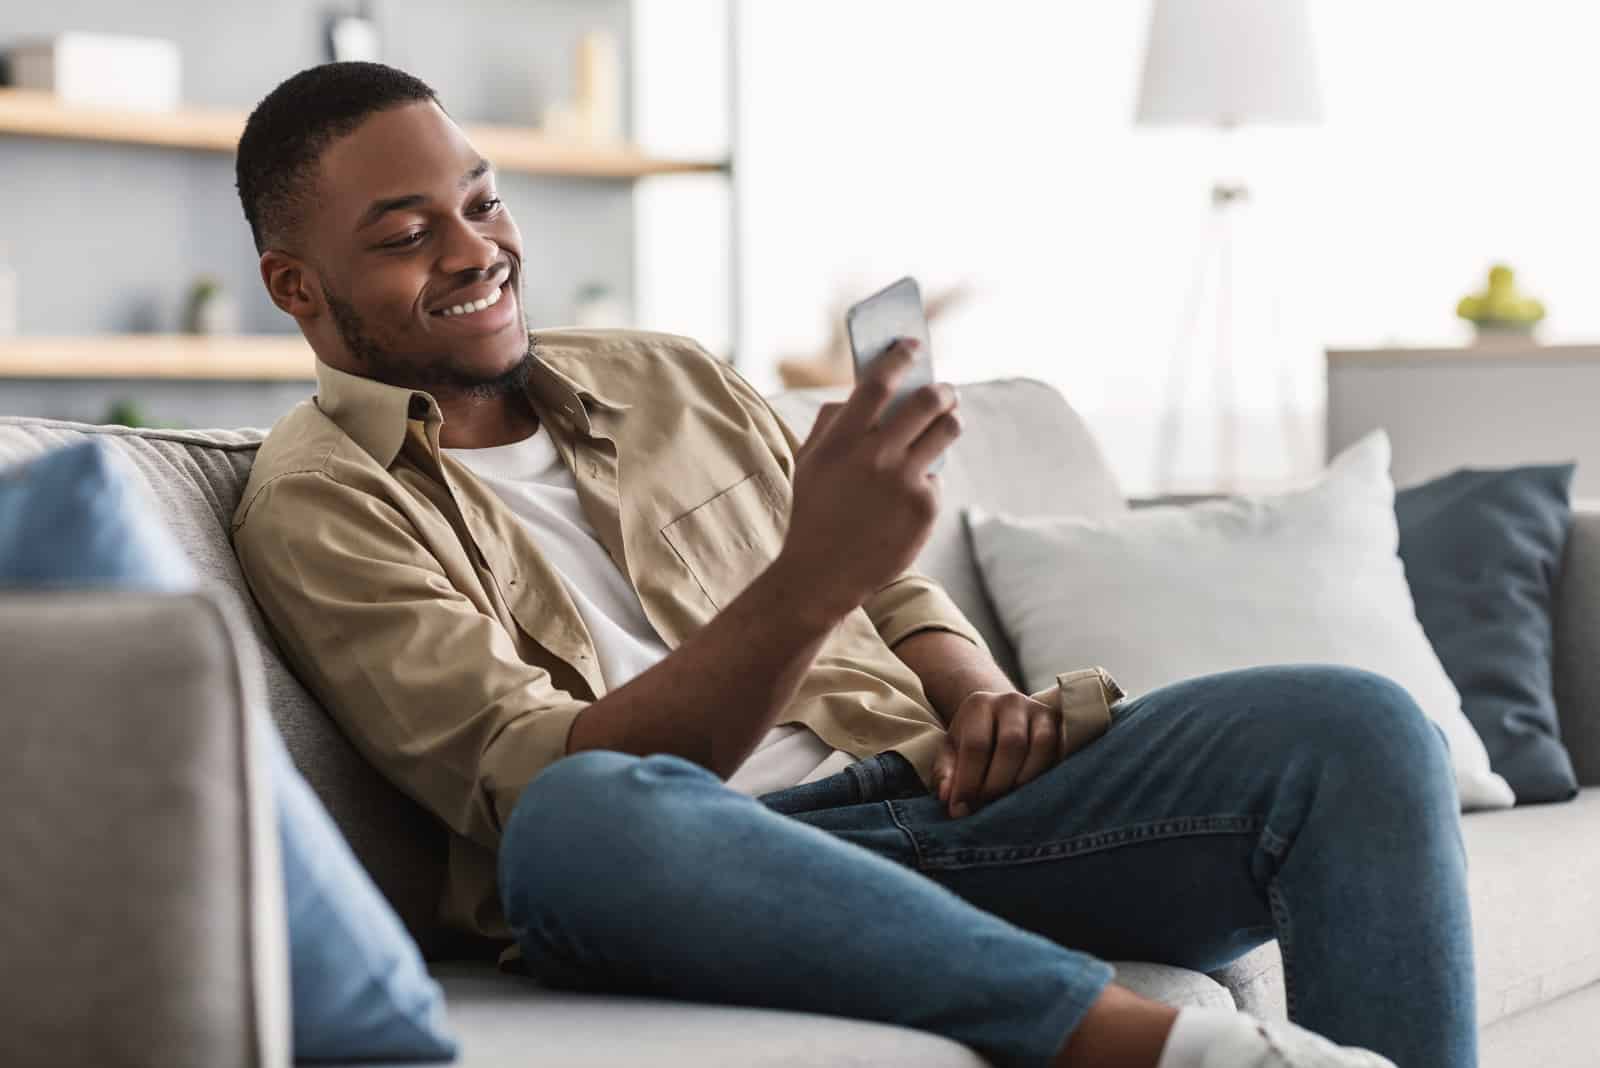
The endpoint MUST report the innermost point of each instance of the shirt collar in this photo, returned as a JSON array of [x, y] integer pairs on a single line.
[[375, 414]]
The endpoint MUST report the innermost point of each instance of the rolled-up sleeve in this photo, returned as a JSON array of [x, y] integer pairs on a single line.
[[429, 687], [913, 603]]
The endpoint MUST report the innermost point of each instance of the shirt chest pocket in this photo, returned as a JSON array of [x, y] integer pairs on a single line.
[[730, 538]]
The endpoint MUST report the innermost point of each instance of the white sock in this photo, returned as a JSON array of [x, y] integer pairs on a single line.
[[1193, 1033]]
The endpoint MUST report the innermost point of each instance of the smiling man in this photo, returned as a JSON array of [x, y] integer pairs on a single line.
[[696, 729]]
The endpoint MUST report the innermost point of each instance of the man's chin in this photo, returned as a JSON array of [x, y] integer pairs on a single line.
[[492, 378]]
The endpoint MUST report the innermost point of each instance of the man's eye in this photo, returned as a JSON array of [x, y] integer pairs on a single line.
[[488, 207], [406, 240]]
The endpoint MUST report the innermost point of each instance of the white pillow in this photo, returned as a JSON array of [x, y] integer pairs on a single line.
[[1163, 594]]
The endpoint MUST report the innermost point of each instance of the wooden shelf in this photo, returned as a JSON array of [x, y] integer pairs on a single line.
[[30, 113], [159, 356]]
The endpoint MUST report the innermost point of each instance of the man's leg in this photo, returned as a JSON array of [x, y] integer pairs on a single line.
[[1312, 804], [650, 876]]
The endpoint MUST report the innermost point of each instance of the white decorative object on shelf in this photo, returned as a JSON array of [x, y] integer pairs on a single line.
[[595, 113], [141, 73]]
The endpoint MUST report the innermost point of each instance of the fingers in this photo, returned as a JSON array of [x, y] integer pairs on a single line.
[[876, 388], [998, 743], [944, 766], [922, 409], [974, 741], [1010, 747], [1044, 743], [938, 437]]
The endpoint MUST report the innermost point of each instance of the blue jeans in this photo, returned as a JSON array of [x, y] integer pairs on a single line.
[[1315, 805]]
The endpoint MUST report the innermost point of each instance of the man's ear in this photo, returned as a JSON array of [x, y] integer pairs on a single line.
[[291, 285]]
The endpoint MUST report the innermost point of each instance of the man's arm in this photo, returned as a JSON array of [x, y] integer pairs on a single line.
[[719, 692], [998, 738], [715, 696], [951, 668]]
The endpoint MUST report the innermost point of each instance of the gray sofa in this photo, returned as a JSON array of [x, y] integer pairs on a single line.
[[139, 925]]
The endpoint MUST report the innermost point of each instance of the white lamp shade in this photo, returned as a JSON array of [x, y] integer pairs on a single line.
[[1229, 62]]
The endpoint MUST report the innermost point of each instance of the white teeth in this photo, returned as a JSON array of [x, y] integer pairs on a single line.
[[474, 305]]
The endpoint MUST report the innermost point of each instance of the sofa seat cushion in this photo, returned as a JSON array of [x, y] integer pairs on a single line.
[[504, 1021], [1172, 986], [508, 1020], [1535, 879]]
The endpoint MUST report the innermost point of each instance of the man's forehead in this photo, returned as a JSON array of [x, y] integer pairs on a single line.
[[398, 152]]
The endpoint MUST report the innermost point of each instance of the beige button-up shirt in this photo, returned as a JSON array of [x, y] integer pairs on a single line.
[[419, 610]]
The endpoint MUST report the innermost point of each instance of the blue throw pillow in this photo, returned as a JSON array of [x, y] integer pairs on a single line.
[[1482, 552], [74, 518], [361, 991], [71, 519]]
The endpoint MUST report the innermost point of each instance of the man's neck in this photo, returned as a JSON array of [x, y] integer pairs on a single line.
[[484, 422]]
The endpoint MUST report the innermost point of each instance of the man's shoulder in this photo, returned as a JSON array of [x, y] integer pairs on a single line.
[[632, 366], [570, 342], [303, 445]]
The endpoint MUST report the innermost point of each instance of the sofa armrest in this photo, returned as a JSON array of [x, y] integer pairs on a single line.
[[141, 911], [1577, 638]]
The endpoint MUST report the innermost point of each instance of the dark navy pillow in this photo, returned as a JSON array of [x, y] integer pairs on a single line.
[[1482, 552]]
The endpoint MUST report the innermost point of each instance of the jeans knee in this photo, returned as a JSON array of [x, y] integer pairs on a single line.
[[1374, 726], [582, 822]]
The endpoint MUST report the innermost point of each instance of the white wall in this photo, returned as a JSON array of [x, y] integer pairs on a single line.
[[993, 142]]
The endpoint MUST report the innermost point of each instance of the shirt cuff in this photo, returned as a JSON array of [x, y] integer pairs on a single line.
[[914, 603]]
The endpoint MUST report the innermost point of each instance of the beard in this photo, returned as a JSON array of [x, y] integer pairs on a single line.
[[436, 375]]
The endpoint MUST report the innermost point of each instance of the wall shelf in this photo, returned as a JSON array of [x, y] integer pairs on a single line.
[[30, 113], [167, 357]]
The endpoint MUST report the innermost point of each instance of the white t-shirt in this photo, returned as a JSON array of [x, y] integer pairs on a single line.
[[531, 479]]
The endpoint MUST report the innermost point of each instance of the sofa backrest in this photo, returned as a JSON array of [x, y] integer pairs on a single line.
[[1023, 451]]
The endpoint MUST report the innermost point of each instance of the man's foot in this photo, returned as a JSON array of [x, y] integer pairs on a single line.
[[1252, 1043]]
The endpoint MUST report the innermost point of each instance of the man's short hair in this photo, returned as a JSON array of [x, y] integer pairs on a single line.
[[288, 131]]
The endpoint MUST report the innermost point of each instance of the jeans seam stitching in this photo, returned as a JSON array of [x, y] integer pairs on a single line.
[[1098, 842], [1280, 917], [911, 836]]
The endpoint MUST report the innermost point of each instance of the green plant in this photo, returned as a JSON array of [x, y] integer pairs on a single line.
[[1500, 304]]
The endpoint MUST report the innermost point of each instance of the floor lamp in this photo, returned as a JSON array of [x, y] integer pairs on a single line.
[[1222, 64]]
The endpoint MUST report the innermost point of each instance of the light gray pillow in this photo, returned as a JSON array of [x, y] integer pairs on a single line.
[[1163, 594]]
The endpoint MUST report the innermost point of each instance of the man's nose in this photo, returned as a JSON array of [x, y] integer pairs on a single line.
[[465, 249]]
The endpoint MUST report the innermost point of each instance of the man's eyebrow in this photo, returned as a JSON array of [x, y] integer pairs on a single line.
[[379, 208]]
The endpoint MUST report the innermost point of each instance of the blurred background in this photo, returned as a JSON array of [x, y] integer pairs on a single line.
[[1233, 233]]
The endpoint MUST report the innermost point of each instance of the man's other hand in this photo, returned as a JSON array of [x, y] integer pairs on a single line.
[[997, 741]]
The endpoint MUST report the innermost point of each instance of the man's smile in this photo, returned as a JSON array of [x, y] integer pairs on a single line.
[[478, 309]]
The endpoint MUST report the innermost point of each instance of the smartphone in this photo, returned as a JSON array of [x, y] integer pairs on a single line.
[[882, 319]]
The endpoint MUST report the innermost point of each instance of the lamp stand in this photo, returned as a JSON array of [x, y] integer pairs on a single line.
[[1215, 254]]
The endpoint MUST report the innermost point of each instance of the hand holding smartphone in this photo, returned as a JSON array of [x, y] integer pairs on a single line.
[[878, 322]]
